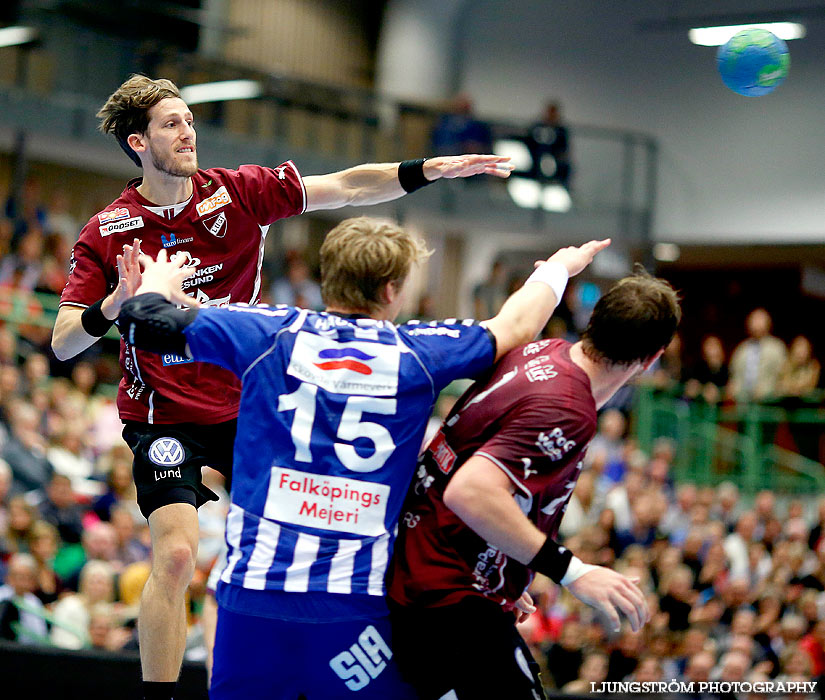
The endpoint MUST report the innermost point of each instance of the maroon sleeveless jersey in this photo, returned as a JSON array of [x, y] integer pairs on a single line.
[[533, 418], [221, 234]]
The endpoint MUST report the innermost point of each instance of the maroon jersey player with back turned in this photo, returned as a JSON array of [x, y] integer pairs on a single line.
[[490, 493]]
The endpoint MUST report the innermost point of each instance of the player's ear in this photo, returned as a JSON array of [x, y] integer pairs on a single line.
[[649, 362], [136, 142], [388, 293]]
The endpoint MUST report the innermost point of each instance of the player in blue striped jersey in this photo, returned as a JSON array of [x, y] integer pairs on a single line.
[[333, 410]]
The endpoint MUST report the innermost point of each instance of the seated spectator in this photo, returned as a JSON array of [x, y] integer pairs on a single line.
[[22, 516], [21, 612], [583, 508], [564, 657], [68, 453], [60, 508], [43, 543], [296, 287], [549, 144], [5, 488], [21, 270], [130, 549], [708, 378], [104, 631], [677, 521], [734, 667], [25, 450], [799, 375], [120, 488], [757, 362], [72, 613], [678, 598], [737, 543], [458, 131], [725, 505], [813, 646], [624, 658], [593, 670], [99, 541], [649, 670], [667, 373]]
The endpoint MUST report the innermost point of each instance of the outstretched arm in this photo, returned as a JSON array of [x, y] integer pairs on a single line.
[[374, 183], [76, 329], [527, 310], [481, 495]]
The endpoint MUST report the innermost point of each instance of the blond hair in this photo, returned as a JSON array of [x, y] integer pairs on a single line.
[[126, 111], [360, 256]]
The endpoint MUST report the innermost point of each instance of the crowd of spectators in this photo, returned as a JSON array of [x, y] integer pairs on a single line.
[[736, 589]]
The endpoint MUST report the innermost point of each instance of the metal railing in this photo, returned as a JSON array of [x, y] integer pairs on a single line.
[[736, 443]]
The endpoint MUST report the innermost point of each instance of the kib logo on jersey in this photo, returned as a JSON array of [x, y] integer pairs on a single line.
[[216, 225], [345, 358], [216, 201], [121, 226], [357, 367], [107, 217]]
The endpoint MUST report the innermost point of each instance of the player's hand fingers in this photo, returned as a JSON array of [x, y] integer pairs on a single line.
[[638, 598], [623, 602], [606, 607]]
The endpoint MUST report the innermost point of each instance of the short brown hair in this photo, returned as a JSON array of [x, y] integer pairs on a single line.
[[127, 109], [360, 256], [635, 319]]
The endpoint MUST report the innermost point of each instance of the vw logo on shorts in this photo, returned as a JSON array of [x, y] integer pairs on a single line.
[[166, 452]]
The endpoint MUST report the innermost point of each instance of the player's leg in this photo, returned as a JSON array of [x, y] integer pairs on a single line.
[[162, 616], [354, 659], [256, 657], [167, 473], [468, 651]]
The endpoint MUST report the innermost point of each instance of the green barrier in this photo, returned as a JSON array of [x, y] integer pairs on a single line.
[[19, 308], [734, 443]]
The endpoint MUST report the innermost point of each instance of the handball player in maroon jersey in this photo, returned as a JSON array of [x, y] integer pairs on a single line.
[[490, 493]]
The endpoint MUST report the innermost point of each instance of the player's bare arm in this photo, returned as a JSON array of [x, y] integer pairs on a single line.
[[71, 336], [481, 494], [527, 310], [374, 183]]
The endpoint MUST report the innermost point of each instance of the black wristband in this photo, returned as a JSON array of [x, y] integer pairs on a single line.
[[150, 322], [93, 320], [551, 560], [411, 175]]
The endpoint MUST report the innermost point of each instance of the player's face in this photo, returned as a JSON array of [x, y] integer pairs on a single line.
[[170, 138]]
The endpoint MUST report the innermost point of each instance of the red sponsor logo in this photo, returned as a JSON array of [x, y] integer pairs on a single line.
[[442, 453]]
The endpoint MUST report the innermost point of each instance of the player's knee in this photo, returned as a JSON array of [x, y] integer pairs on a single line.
[[174, 563]]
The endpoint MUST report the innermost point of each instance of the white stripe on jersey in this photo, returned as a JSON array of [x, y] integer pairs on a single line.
[[342, 566], [257, 289], [303, 187], [259, 564], [297, 574], [380, 558], [151, 417], [234, 527]]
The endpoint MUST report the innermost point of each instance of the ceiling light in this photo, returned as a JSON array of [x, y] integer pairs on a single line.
[[15, 36], [556, 198], [525, 193], [221, 91], [516, 151], [716, 36], [666, 252]]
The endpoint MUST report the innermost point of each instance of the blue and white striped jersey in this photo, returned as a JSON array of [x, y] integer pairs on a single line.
[[333, 411]]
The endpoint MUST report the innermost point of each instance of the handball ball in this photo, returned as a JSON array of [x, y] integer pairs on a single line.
[[753, 62]]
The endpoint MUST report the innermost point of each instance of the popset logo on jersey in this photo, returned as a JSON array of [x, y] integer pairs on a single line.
[[121, 226]]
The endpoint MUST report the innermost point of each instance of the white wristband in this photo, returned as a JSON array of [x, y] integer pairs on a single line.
[[575, 570], [554, 275]]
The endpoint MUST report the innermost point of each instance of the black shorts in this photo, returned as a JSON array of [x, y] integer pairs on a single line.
[[168, 461], [471, 649]]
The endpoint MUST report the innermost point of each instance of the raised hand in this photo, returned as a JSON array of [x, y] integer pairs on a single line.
[[466, 166], [611, 593], [128, 280], [575, 259], [165, 277]]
